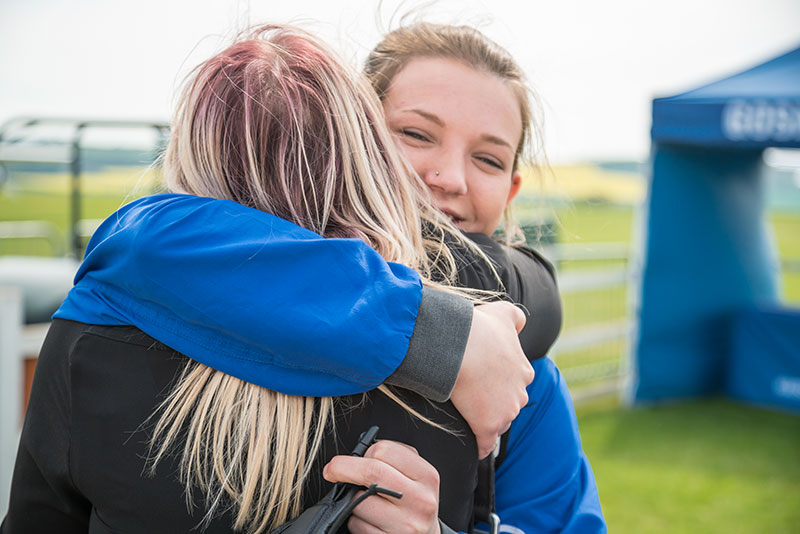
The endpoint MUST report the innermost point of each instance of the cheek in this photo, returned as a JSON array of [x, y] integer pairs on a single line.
[[488, 198], [415, 157]]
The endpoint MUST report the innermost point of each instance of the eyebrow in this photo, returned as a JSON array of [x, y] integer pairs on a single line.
[[496, 141], [427, 115], [439, 122]]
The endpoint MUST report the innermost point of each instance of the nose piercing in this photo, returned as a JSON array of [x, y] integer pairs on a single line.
[[436, 173]]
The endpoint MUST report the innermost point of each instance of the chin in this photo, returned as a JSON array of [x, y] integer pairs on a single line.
[[468, 228]]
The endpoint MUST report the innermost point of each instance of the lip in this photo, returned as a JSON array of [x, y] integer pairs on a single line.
[[455, 217]]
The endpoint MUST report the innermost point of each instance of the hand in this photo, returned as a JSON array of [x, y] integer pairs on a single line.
[[399, 467], [490, 388]]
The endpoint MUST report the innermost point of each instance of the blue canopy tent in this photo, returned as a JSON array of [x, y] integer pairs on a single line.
[[709, 257]]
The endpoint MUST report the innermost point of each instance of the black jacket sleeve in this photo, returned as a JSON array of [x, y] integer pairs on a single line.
[[527, 279], [537, 291]]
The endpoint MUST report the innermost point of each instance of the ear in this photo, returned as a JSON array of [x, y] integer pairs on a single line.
[[516, 183]]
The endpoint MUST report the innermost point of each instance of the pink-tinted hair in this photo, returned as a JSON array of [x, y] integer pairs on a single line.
[[279, 123]]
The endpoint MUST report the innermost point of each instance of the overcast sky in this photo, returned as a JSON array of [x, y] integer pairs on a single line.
[[595, 64]]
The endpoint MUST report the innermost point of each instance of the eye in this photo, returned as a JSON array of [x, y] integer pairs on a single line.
[[416, 135], [491, 161]]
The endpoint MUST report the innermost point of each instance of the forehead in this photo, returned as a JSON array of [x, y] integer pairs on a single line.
[[460, 95]]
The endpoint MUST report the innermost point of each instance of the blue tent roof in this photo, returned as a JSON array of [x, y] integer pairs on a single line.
[[757, 108]]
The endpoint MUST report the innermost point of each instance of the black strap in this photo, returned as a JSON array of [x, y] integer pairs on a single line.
[[503, 450], [484, 492], [330, 514], [484, 509]]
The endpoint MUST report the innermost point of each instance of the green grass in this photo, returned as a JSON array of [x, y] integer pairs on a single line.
[[588, 307], [706, 466], [600, 353], [787, 233], [592, 222], [46, 197], [50, 208]]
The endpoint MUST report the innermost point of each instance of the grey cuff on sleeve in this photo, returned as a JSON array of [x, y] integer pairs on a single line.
[[445, 529], [437, 345]]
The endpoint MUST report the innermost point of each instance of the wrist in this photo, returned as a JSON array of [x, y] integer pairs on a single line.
[[436, 348]]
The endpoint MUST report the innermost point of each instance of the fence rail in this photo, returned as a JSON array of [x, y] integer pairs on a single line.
[[11, 380], [592, 352], [586, 337], [790, 265], [35, 230], [46, 231]]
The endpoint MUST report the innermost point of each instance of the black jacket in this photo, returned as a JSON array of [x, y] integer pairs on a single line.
[[82, 452], [527, 279]]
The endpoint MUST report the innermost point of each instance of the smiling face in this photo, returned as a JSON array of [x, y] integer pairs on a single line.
[[460, 128]]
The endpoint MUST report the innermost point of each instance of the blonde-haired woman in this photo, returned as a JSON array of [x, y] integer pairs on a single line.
[[462, 113], [123, 432]]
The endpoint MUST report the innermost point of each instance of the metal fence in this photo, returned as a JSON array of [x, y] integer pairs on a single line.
[[593, 348]]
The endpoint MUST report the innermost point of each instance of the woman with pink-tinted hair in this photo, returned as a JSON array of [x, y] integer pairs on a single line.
[[125, 433]]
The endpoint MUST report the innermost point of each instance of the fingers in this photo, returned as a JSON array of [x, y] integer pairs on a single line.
[[528, 375], [405, 459], [398, 467], [356, 525], [518, 318], [412, 514], [505, 311], [362, 472], [486, 445], [374, 516], [386, 463], [491, 386]]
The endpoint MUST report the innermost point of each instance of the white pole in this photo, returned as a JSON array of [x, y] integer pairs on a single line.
[[11, 377]]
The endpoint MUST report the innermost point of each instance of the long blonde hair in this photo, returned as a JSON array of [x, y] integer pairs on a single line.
[[277, 122], [471, 47]]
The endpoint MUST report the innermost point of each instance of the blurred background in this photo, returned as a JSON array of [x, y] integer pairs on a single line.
[[706, 459]]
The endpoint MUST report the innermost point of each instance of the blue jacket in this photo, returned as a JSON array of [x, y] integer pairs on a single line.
[[219, 282], [249, 294], [545, 483]]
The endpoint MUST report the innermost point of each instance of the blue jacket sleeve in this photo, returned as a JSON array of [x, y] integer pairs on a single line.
[[278, 306], [545, 484]]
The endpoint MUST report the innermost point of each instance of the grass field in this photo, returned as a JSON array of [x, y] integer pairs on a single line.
[[45, 197], [709, 466]]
